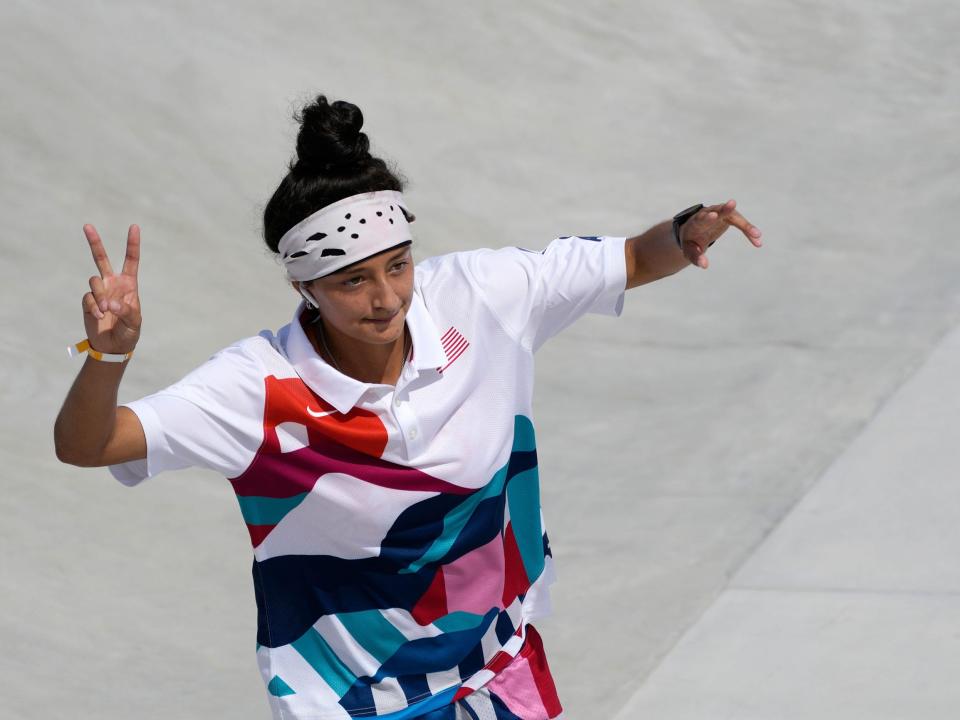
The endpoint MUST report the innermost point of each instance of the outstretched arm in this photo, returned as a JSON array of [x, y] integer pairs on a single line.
[[90, 429], [655, 254]]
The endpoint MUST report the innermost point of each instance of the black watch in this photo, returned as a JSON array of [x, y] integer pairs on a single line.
[[681, 217]]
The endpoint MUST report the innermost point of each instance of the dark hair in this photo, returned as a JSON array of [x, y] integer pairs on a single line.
[[333, 162]]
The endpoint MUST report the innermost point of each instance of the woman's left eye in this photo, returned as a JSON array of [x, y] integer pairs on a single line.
[[400, 265]]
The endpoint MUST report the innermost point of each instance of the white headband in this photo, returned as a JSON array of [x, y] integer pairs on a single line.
[[345, 232]]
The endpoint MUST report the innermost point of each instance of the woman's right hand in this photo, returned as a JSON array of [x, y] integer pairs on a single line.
[[111, 310]]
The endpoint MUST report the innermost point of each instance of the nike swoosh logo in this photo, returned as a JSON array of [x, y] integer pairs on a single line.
[[316, 413]]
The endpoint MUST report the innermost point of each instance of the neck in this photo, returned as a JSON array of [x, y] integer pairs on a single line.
[[367, 362]]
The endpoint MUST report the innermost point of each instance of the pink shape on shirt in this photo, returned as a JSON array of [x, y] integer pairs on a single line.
[[474, 582]]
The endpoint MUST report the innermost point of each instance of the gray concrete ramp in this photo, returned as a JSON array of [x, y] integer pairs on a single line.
[[850, 609]]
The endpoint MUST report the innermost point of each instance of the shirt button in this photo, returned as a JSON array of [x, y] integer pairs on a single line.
[[412, 434], [396, 401]]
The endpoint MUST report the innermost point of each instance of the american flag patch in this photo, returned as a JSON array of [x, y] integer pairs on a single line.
[[454, 345]]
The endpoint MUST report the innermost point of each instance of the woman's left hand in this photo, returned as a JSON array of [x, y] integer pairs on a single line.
[[712, 221]]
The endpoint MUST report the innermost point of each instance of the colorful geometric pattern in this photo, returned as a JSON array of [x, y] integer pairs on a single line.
[[409, 590], [523, 690]]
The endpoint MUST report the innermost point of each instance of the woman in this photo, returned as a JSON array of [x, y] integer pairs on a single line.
[[380, 445]]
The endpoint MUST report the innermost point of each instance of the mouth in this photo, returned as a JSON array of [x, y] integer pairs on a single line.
[[382, 322]]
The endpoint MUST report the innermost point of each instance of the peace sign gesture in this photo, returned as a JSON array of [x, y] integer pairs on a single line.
[[712, 221], [111, 310]]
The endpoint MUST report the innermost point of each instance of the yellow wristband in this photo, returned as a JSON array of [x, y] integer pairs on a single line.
[[84, 347]]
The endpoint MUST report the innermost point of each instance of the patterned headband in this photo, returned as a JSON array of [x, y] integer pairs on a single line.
[[345, 232]]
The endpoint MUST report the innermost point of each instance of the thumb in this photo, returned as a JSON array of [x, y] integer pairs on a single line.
[[127, 314], [697, 256]]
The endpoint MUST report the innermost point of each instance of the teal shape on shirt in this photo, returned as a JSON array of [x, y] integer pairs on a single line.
[[324, 660], [524, 439], [258, 510], [279, 688], [373, 632], [523, 499], [458, 620]]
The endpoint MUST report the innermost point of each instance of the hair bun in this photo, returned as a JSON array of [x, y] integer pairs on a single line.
[[330, 140]]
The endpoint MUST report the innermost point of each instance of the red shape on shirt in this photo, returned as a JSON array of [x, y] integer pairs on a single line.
[[515, 581], [499, 662], [433, 603], [537, 660], [259, 532], [291, 400]]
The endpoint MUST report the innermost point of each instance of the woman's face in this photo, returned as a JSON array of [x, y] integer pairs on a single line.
[[367, 301]]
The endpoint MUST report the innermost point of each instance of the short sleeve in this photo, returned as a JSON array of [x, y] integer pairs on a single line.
[[212, 418], [536, 294]]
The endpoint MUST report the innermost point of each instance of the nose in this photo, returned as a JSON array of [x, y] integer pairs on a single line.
[[385, 297]]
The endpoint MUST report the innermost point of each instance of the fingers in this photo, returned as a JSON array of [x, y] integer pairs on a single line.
[[710, 213], [96, 248], [713, 220], [752, 232], [126, 310], [99, 291], [728, 213], [90, 306], [132, 261]]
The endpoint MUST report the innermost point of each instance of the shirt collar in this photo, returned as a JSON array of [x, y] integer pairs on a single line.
[[343, 392], [338, 389], [428, 353]]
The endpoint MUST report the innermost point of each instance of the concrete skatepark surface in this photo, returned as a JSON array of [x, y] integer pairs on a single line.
[[746, 477]]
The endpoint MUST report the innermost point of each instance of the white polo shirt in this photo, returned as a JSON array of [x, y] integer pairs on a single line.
[[399, 547]]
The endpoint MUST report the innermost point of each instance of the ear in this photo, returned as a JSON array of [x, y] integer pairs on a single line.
[[306, 294]]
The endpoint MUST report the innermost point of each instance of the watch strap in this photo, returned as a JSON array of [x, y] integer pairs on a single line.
[[681, 217]]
